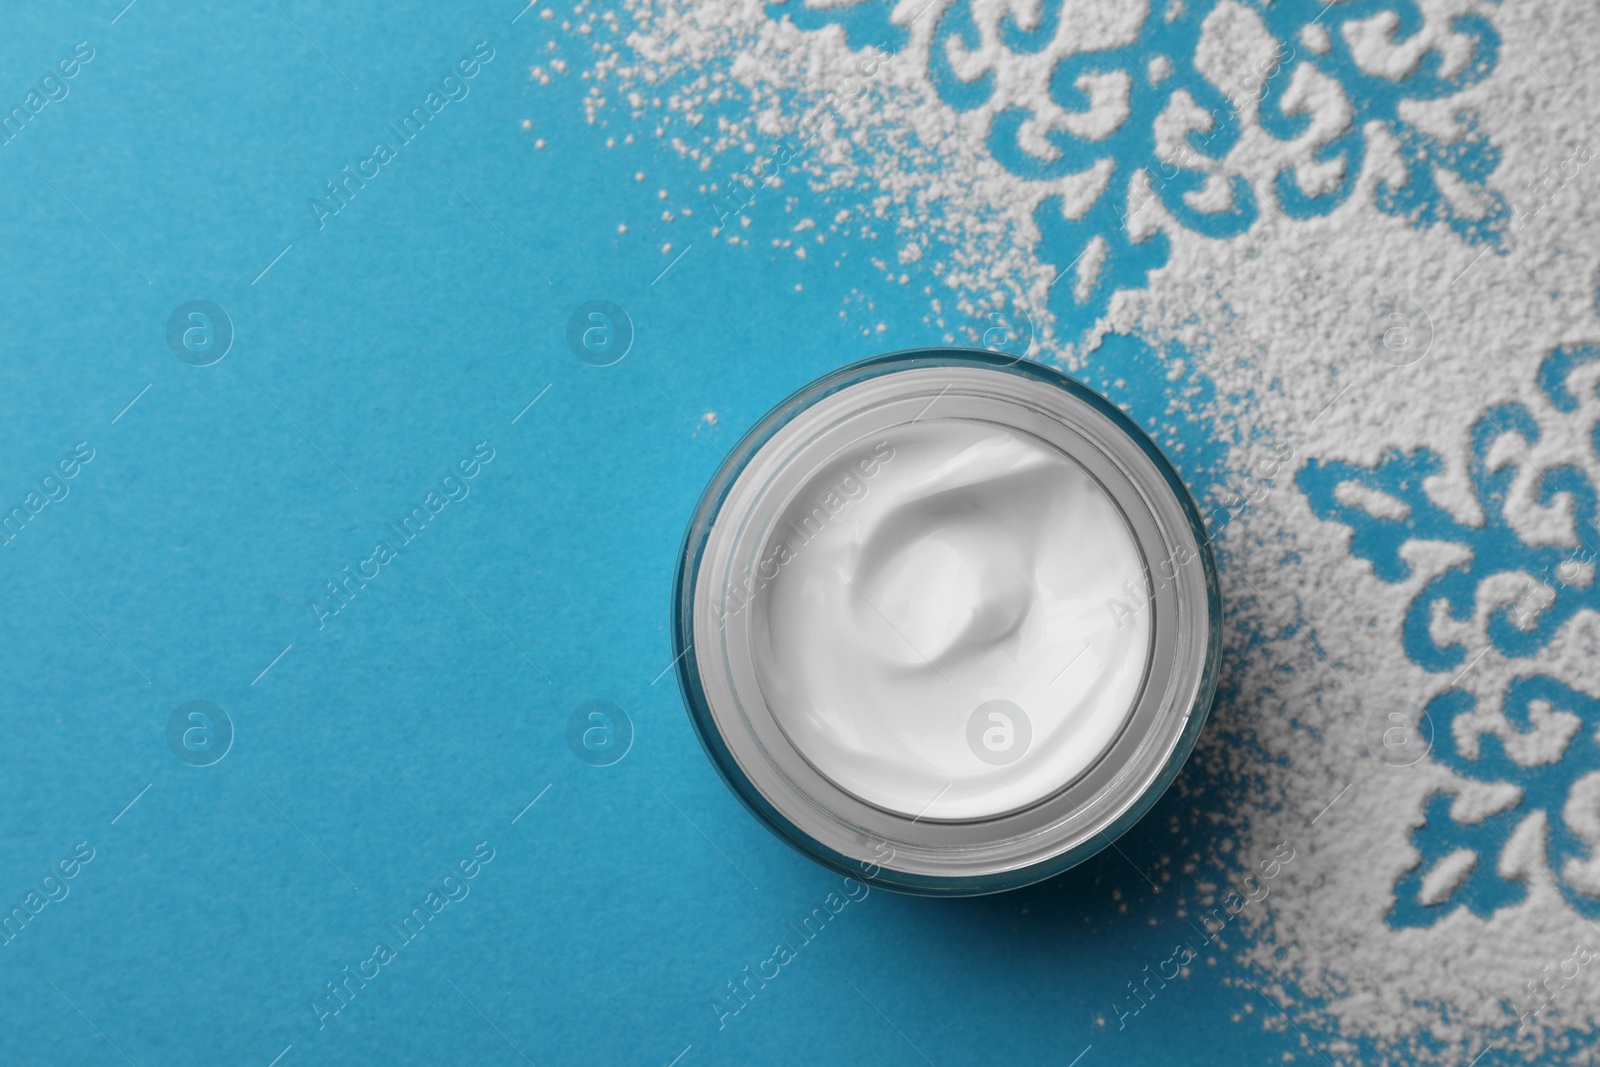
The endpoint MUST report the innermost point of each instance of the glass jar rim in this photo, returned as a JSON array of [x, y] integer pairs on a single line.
[[812, 814]]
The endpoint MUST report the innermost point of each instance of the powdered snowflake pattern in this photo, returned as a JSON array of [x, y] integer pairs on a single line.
[[1290, 96], [1523, 589]]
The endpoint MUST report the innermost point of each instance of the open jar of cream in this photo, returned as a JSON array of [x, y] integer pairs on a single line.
[[947, 621]]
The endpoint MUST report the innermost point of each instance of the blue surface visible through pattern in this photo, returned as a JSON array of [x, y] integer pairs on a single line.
[[1549, 588], [1171, 35]]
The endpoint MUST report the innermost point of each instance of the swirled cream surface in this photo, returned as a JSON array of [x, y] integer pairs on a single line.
[[941, 621]]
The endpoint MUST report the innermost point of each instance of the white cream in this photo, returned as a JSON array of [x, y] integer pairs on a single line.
[[934, 629]]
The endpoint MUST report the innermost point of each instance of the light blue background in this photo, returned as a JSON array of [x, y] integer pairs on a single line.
[[413, 726]]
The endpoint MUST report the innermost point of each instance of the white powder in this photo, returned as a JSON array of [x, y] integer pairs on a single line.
[[1277, 317]]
